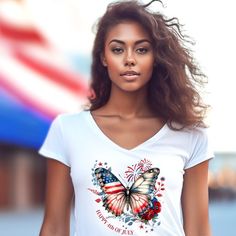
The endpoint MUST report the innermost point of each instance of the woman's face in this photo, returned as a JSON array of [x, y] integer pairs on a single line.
[[128, 56]]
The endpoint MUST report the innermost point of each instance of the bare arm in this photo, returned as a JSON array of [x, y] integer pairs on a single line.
[[195, 201], [59, 194]]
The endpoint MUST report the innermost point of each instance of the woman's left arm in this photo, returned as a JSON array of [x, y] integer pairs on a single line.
[[195, 201]]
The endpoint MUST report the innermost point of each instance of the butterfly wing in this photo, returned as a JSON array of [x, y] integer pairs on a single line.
[[115, 193], [141, 190]]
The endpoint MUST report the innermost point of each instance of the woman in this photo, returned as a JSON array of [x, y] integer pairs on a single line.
[[137, 160]]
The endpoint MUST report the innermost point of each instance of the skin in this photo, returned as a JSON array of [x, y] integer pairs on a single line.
[[59, 195], [127, 48], [195, 201]]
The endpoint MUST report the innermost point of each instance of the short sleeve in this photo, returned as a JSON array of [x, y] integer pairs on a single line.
[[200, 148], [54, 145]]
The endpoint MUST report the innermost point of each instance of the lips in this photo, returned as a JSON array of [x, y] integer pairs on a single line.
[[130, 73]]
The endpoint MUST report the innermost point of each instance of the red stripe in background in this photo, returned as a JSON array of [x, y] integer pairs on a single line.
[[74, 83], [26, 100], [18, 33]]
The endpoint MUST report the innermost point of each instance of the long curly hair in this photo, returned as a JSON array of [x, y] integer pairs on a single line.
[[173, 90]]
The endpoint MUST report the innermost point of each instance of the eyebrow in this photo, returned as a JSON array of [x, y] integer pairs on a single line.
[[122, 42]]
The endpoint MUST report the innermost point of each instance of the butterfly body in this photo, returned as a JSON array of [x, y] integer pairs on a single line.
[[117, 196]]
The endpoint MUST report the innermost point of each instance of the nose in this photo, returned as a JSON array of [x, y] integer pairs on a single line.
[[130, 60]]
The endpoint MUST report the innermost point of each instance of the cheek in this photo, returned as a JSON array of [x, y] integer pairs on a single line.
[[148, 65], [112, 67], [113, 64]]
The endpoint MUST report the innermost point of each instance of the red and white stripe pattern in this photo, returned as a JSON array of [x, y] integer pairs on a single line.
[[114, 187], [35, 73]]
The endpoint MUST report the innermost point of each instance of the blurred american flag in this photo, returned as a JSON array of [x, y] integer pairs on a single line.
[[34, 74]]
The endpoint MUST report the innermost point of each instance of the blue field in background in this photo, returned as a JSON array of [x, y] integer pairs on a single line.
[[223, 218]]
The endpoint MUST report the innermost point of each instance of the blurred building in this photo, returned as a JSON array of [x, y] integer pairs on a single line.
[[222, 177], [22, 178]]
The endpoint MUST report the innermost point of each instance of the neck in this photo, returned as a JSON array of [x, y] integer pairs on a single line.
[[128, 104]]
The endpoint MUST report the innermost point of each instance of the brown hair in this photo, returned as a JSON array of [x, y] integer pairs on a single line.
[[173, 89]]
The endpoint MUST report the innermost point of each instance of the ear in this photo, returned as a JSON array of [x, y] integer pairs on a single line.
[[103, 60]]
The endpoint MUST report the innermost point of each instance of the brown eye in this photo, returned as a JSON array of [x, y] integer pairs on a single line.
[[117, 50], [142, 50]]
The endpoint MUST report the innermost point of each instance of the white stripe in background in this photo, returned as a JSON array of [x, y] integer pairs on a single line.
[[44, 92]]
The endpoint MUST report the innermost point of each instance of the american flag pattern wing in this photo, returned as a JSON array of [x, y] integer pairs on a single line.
[[115, 198]]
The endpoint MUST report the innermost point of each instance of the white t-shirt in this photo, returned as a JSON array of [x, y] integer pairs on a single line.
[[120, 191]]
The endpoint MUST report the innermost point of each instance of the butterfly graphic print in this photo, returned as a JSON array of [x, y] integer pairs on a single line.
[[131, 203], [118, 199]]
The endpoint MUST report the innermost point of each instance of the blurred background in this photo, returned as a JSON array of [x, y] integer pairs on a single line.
[[45, 56]]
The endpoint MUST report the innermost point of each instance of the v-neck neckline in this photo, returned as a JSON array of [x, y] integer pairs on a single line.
[[101, 134]]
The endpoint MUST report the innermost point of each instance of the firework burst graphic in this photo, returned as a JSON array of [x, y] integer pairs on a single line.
[[133, 172], [145, 164]]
